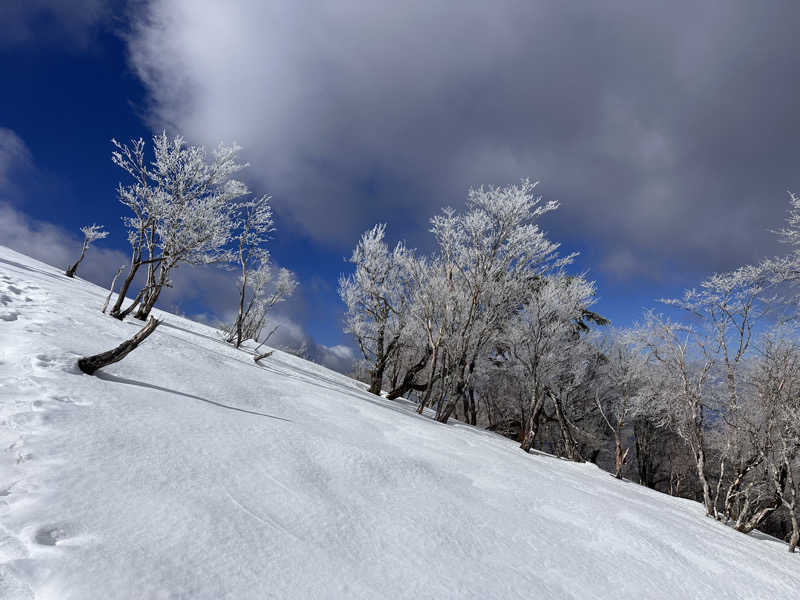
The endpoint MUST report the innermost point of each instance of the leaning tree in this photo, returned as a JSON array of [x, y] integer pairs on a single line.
[[182, 204], [90, 233]]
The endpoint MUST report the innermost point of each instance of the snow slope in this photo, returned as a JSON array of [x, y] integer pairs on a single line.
[[186, 471]]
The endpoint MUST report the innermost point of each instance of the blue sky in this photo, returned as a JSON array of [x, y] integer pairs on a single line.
[[666, 132]]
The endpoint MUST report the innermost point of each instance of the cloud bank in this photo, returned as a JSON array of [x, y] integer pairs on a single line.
[[665, 129]]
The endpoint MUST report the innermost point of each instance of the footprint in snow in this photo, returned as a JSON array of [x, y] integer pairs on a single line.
[[69, 400], [42, 360], [49, 535], [12, 316]]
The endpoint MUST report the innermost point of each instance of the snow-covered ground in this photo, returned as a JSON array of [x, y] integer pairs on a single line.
[[186, 471]]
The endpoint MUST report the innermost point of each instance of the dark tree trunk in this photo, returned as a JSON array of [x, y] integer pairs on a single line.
[[409, 378], [376, 373], [242, 293], [147, 304], [152, 293], [116, 310], [124, 313], [90, 364], [465, 405], [136, 262], [431, 380], [457, 393], [440, 401], [450, 406], [70, 272], [644, 433], [263, 355], [473, 408]]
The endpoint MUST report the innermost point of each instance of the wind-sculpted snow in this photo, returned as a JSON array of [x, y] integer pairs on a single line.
[[187, 471]]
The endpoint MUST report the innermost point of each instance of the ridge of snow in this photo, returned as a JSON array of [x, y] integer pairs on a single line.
[[187, 471]]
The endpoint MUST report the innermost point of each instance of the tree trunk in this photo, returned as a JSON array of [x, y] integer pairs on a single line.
[[261, 356], [123, 291], [376, 373], [124, 313], [792, 506], [457, 393], [395, 370], [408, 379], [747, 525], [111, 289], [431, 379], [70, 272], [795, 538], [242, 293], [473, 409], [151, 296], [643, 432], [736, 484], [619, 455], [376, 380], [465, 404], [532, 427], [700, 463], [451, 404], [149, 300], [570, 446], [441, 400], [90, 364]]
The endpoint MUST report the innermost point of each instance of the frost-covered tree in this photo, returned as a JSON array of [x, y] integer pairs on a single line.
[[430, 314], [686, 360], [91, 233], [258, 293], [621, 391], [724, 311], [490, 256], [261, 291], [375, 296], [182, 205], [778, 383], [544, 342]]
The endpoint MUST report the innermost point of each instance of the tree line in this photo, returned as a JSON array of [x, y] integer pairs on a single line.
[[701, 400]]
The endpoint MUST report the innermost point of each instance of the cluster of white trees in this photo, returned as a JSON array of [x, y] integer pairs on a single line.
[[494, 293], [493, 329], [187, 207]]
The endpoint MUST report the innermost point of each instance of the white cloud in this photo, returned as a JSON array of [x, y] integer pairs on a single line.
[[358, 111]]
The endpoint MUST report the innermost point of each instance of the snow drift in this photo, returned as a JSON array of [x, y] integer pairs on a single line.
[[187, 471]]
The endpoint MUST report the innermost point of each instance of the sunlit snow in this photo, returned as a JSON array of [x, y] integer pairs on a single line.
[[187, 471]]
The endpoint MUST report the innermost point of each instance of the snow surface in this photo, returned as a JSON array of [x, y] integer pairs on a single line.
[[186, 471]]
